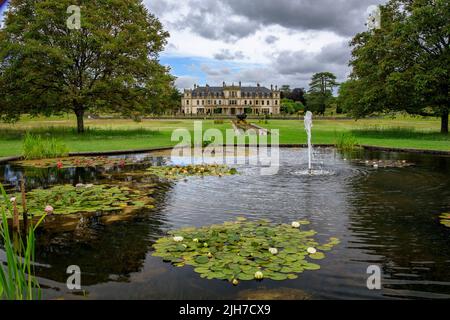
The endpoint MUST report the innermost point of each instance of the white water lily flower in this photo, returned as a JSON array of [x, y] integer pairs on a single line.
[[273, 250], [195, 240], [259, 275], [79, 185], [178, 239], [311, 250], [295, 224], [13, 199]]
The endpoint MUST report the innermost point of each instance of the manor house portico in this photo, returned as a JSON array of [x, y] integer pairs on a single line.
[[231, 100]]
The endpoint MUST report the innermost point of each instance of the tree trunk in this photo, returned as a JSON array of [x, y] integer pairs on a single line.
[[444, 121], [80, 120]]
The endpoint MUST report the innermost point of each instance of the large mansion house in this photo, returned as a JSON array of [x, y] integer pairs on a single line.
[[231, 100]]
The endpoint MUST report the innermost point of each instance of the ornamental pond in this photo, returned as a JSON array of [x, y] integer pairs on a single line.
[[392, 213]]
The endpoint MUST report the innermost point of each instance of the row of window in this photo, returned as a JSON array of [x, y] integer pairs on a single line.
[[203, 111], [233, 102], [235, 95]]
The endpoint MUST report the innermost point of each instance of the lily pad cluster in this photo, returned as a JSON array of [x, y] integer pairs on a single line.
[[69, 199], [385, 163], [76, 162], [445, 219], [177, 172], [245, 250]]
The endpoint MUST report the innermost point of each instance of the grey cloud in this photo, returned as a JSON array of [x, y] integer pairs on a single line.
[[335, 53], [216, 20], [226, 54], [230, 20], [185, 82], [344, 17], [271, 39], [212, 72]]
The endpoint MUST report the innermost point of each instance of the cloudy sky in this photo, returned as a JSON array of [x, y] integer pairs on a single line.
[[267, 41]]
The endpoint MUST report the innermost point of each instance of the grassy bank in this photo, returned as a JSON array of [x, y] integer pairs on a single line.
[[404, 133], [107, 135]]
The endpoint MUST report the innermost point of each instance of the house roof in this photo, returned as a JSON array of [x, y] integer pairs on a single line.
[[220, 90]]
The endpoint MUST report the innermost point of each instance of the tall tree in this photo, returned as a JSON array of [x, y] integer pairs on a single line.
[[320, 91], [285, 91], [323, 83], [109, 64], [404, 65]]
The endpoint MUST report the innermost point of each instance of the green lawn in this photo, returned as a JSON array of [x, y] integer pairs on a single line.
[[107, 135], [396, 133]]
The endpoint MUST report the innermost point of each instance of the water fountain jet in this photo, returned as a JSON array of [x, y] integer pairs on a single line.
[[308, 127]]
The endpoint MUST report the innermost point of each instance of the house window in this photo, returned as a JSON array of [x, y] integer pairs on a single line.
[[198, 102], [268, 102], [187, 102], [276, 102], [256, 102], [262, 102], [220, 102], [245, 102]]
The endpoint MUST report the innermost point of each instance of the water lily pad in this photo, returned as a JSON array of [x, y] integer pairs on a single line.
[[76, 162], [239, 249], [201, 259], [180, 172], [317, 256], [89, 198]]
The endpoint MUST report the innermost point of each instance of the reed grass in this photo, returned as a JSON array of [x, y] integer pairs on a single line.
[[346, 142], [36, 147], [17, 280]]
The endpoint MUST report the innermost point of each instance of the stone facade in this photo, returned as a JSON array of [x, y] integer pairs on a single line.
[[231, 100]]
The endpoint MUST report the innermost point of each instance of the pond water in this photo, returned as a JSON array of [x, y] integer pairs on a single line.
[[383, 216]]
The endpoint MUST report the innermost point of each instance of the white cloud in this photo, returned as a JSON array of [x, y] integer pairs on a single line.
[[279, 42]]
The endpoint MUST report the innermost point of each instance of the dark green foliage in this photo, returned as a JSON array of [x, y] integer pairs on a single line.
[[110, 64], [404, 65], [320, 94]]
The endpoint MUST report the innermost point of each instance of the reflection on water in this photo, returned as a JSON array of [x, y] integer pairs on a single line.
[[385, 216]]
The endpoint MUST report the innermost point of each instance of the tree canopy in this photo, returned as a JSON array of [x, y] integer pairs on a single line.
[[320, 91], [109, 64], [404, 64]]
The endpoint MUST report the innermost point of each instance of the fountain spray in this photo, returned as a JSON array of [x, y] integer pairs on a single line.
[[308, 126]]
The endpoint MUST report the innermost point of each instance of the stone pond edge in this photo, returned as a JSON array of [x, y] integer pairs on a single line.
[[136, 151]]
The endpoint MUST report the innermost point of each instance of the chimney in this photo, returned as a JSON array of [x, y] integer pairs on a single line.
[[258, 85], [195, 86], [271, 87], [240, 84], [276, 88], [224, 84]]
